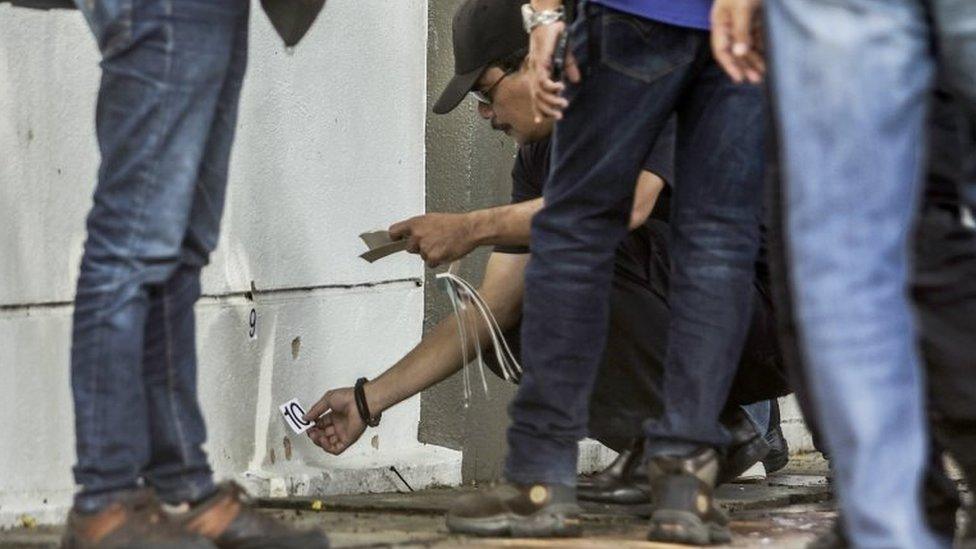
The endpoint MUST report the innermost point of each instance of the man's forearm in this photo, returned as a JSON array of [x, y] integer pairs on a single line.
[[438, 355], [505, 225]]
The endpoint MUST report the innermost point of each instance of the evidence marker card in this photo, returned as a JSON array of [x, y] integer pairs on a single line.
[[295, 416]]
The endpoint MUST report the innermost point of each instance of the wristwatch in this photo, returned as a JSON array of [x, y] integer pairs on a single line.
[[532, 19]]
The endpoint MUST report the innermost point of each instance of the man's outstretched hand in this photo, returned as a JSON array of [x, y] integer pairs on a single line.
[[337, 422], [437, 237], [737, 39]]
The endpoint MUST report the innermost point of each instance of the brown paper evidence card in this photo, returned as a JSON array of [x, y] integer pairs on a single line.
[[381, 245]]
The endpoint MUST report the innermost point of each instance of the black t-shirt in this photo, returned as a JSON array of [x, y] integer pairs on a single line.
[[531, 170]]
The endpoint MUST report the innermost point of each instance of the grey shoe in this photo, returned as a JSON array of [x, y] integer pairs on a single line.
[[532, 511], [684, 508]]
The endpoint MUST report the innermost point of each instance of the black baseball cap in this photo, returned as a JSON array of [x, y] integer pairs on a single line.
[[485, 31]]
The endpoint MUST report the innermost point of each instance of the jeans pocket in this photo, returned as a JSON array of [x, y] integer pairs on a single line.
[[110, 21], [642, 49]]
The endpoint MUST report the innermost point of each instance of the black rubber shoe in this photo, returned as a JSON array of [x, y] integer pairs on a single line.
[[748, 446], [533, 511], [623, 482], [229, 520], [779, 450], [684, 509]]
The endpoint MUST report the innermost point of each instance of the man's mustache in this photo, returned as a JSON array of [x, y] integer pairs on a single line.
[[499, 127]]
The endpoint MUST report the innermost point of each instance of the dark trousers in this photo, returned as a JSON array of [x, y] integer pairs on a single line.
[[637, 73], [628, 387]]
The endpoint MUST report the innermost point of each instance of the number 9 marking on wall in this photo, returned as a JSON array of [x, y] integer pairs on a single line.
[[253, 325]]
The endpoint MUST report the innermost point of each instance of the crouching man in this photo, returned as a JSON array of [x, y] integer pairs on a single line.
[[490, 48]]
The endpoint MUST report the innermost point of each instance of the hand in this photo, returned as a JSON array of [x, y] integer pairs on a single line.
[[341, 426], [737, 39], [437, 237], [546, 98]]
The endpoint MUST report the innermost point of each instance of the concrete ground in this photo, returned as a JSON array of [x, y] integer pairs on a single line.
[[786, 510]]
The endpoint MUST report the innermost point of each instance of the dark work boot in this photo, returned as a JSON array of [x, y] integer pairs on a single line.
[[229, 519], [684, 508], [135, 520], [623, 482], [748, 446], [532, 511]]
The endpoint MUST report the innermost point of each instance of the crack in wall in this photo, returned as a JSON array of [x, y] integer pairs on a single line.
[[247, 294]]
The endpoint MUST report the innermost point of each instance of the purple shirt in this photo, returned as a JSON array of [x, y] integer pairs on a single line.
[[682, 13]]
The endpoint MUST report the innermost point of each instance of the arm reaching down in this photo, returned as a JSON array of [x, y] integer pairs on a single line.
[[437, 356]]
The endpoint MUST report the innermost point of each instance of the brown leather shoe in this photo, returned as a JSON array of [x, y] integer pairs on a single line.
[[623, 482], [228, 518], [134, 520]]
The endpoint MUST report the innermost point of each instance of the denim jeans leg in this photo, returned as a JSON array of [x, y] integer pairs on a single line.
[[851, 81], [597, 150], [163, 66], [179, 470], [716, 211]]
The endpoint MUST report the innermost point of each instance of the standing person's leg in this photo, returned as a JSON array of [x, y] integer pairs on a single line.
[[715, 218], [851, 79], [715, 227], [597, 150], [178, 468], [163, 69]]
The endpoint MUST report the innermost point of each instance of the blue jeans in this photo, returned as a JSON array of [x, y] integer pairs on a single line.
[[637, 73], [852, 79], [166, 114]]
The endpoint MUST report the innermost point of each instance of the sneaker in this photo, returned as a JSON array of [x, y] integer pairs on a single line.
[[623, 482], [756, 473], [229, 519], [684, 508], [531, 511], [134, 520]]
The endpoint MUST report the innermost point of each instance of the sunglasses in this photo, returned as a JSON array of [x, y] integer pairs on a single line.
[[485, 96]]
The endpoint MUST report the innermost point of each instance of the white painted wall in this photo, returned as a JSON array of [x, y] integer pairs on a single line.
[[330, 144]]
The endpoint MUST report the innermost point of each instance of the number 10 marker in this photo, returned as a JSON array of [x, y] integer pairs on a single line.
[[295, 416]]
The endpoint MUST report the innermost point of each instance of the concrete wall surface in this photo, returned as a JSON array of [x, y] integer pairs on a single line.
[[330, 144]]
